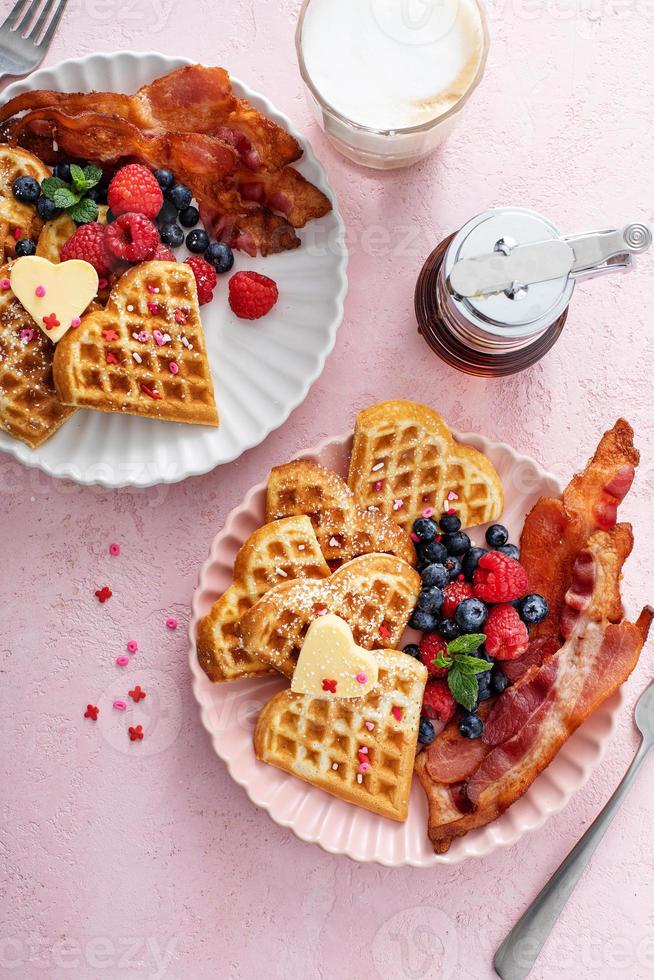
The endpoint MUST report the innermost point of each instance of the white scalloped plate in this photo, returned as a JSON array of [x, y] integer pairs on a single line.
[[229, 710], [262, 370]]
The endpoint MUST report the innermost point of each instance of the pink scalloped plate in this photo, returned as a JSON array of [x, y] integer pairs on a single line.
[[229, 710]]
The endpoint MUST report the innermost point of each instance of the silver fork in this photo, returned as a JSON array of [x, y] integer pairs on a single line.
[[519, 951], [25, 37]]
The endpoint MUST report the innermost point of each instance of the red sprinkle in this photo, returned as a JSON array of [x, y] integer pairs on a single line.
[[104, 593], [137, 694], [92, 712], [135, 733], [148, 391], [384, 631], [328, 685], [396, 712], [153, 308], [112, 359], [181, 316], [51, 321], [451, 511], [18, 233], [378, 485], [414, 537], [110, 335]]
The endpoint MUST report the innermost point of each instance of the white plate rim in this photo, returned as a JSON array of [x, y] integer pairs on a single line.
[[66, 470]]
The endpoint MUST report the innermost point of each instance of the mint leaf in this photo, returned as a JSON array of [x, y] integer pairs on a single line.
[[467, 643], [52, 184], [63, 197], [78, 178], [92, 175], [471, 665], [442, 661], [84, 211], [464, 687]]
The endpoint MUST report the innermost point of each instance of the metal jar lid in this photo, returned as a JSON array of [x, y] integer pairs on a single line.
[[509, 273]]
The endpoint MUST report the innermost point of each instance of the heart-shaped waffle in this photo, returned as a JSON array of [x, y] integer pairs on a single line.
[[343, 529], [358, 749], [374, 594], [144, 354], [17, 220], [405, 459], [277, 552]]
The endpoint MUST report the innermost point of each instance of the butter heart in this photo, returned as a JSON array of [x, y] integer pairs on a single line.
[[55, 295], [331, 664]]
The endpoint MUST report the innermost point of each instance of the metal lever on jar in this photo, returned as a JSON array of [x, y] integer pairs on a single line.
[[511, 268]]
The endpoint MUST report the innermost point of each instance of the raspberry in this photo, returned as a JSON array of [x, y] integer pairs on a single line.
[[507, 637], [132, 237], [88, 243], [135, 189], [205, 278], [252, 295], [431, 645], [438, 702], [455, 593], [163, 254], [499, 578]]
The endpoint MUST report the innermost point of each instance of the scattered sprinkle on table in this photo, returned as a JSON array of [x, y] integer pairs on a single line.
[[122, 661], [114, 549], [103, 594], [171, 623], [92, 712], [120, 705], [137, 694], [135, 733], [132, 646]]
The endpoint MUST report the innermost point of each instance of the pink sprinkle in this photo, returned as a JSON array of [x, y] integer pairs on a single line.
[[180, 316], [27, 334], [40, 290], [143, 336], [5, 283], [451, 511], [378, 485], [114, 549], [398, 504], [397, 713], [452, 495], [362, 678], [370, 725], [158, 336], [132, 646], [364, 767], [152, 289], [18, 233], [173, 367], [414, 537], [120, 705], [153, 308], [171, 623], [364, 749], [428, 512], [75, 322], [122, 661]]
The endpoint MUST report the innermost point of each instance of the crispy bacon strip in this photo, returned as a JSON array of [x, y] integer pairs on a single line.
[[193, 99], [529, 723]]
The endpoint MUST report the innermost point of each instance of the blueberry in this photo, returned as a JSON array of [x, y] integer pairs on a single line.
[[189, 217], [197, 241], [26, 246], [457, 543], [413, 650], [111, 217], [510, 550], [496, 536], [45, 208], [97, 194], [533, 609], [422, 621], [448, 629], [454, 567], [499, 681], [425, 529], [481, 654], [471, 560], [435, 574], [431, 600], [471, 614], [471, 725], [180, 195], [26, 189], [167, 214], [449, 523], [62, 171], [485, 690], [426, 733], [433, 552], [220, 255], [165, 178], [171, 234]]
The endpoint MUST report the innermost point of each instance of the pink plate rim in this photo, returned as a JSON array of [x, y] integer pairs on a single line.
[[548, 795]]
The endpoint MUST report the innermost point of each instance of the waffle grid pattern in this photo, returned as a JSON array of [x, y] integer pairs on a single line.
[[14, 163]]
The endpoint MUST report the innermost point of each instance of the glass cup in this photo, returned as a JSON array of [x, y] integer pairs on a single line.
[[387, 149]]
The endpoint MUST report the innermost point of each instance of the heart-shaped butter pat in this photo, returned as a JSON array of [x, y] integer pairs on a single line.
[[55, 296], [331, 664]]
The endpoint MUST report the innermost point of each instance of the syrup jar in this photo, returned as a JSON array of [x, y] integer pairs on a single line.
[[492, 298]]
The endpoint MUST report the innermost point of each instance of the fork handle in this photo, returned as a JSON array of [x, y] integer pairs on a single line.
[[519, 951]]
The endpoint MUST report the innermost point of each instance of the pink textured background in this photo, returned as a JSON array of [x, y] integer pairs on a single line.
[[146, 861]]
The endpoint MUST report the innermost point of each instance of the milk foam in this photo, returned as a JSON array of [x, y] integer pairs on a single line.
[[389, 64]]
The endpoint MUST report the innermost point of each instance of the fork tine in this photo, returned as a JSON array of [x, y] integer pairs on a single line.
[[54, 23], [26, 20], [13, 15], [40, 23]]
